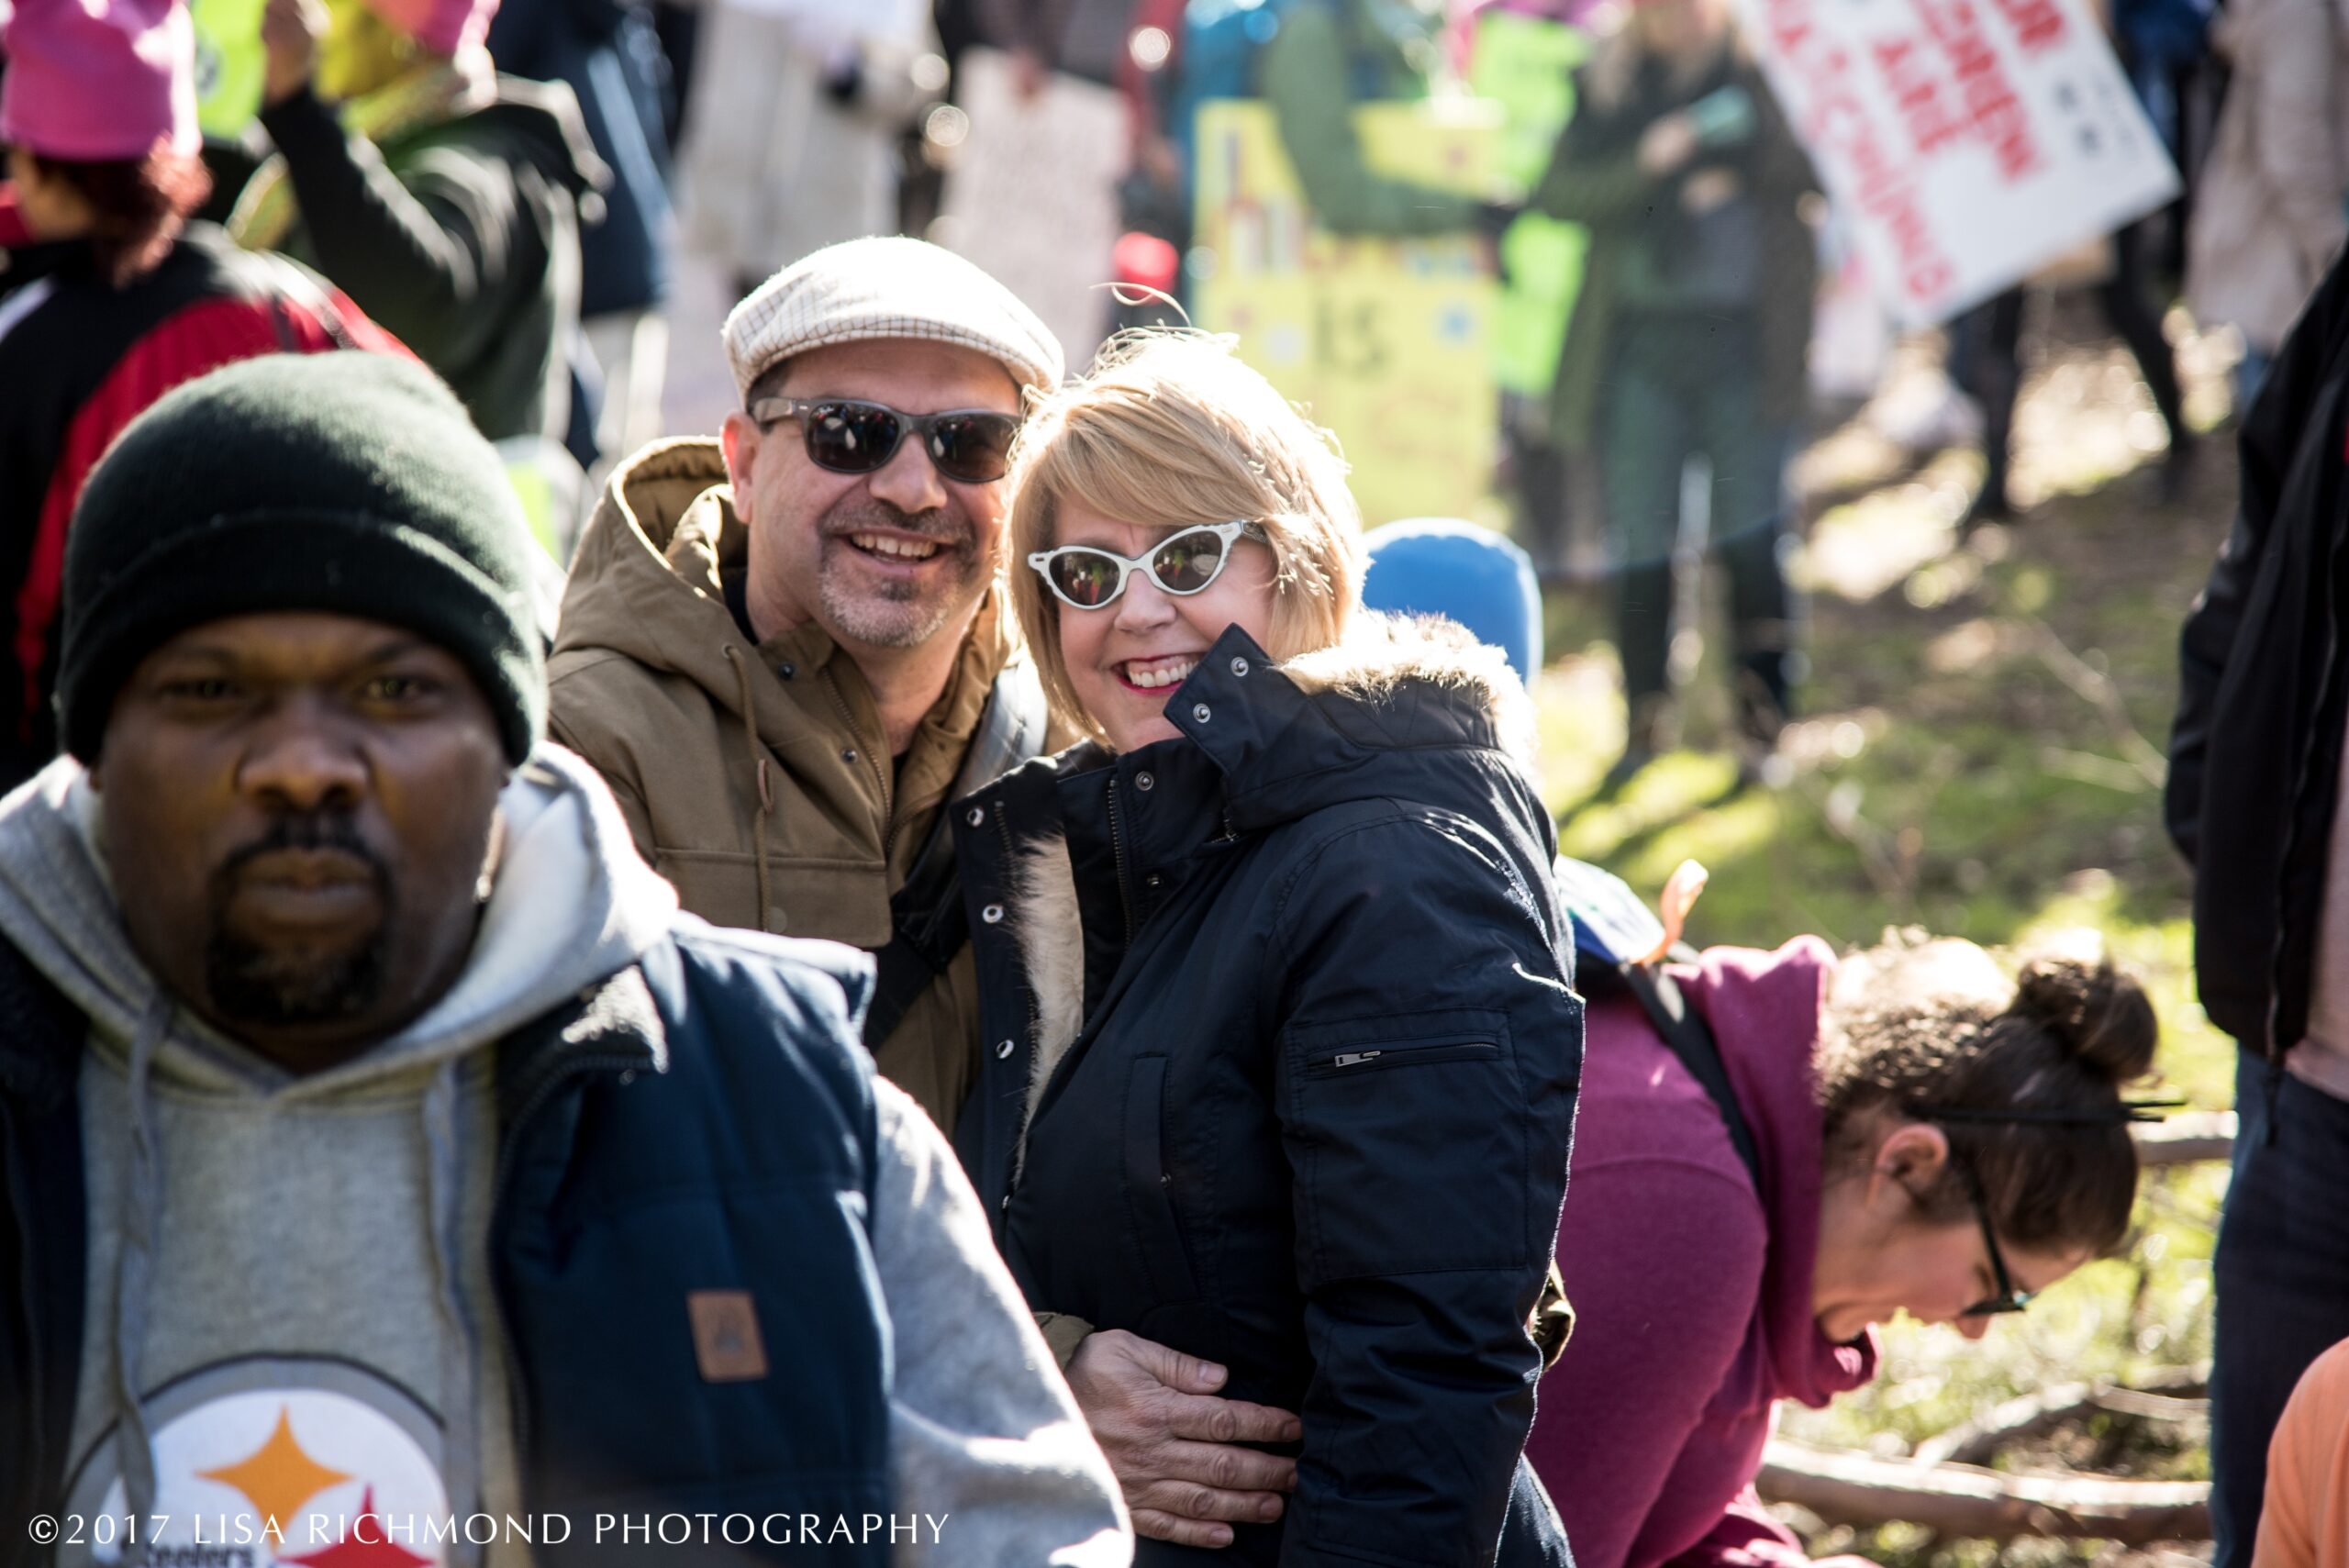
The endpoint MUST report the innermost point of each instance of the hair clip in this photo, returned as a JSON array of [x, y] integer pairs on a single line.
[[2127, 1111]]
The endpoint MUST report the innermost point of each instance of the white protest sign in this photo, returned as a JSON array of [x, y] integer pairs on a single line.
[[1033, 197], [1966, 142]]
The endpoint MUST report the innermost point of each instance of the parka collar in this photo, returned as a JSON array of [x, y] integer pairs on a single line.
[[1387, 712]]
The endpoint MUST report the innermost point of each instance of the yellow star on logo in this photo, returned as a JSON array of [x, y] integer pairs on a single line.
[[278, 1477]]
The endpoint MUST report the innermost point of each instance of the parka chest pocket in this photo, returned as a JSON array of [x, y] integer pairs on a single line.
[[1407, 1137]]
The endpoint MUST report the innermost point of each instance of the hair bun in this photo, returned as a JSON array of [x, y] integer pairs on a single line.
[[2097, 1013]]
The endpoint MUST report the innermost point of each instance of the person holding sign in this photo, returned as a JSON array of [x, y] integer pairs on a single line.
[[1688, 338], [109, 295]]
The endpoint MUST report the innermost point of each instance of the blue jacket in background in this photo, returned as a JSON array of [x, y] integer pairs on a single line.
[[606, 52]]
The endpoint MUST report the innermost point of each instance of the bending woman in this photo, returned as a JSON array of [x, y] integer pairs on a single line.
[[1280, 1061], [1929, 1137]]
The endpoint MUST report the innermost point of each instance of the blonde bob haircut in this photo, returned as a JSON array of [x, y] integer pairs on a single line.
[[1168, 430]]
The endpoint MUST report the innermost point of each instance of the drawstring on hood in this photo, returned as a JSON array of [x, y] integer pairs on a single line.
[[749, 700], [571, 905], [142, 1213]]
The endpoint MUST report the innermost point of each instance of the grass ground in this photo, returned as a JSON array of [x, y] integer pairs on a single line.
[[1980, 754]]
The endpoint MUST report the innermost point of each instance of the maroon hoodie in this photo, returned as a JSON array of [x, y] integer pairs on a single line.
[[1691, 1291]]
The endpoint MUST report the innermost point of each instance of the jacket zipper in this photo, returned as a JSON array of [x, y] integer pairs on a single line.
[[1377, 1057], [518, 1390], [1117, 862]]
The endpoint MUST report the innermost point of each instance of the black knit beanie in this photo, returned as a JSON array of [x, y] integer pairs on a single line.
[[352, 484]]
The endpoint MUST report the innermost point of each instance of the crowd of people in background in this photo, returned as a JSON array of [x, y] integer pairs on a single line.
[[448, 809]]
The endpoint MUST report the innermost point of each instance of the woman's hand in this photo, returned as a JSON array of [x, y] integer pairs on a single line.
[[1171, 1442], [1667, 145]]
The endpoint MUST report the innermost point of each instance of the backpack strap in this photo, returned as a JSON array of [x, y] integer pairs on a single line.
[[1690, 1037], [929, 923]]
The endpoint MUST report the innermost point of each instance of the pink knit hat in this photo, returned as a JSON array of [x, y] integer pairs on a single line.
[[444, 26], [93, 81]]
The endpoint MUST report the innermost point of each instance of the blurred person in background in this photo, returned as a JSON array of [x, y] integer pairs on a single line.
[[442, 197], [1313, 60], [2156, 41], [2270, 215], [792, 143], [1907, 1130], [1688, 340], [608, 54], [2254, 804], [109, 295]]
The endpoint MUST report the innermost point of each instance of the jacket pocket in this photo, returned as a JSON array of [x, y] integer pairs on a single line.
[[1150, 1205], [1406, 1134]]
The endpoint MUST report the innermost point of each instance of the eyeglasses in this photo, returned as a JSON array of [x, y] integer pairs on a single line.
[[849, 435], [1184, 563], [2009, 1298]]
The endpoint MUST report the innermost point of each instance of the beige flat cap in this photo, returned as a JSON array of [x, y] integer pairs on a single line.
[[887, 287]]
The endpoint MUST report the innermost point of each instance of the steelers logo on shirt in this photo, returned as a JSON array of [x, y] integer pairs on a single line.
[[309, 1462]]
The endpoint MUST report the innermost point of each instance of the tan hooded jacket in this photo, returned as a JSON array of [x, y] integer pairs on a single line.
[[757, 779]]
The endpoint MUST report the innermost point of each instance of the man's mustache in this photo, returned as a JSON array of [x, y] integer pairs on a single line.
[[307, 830]]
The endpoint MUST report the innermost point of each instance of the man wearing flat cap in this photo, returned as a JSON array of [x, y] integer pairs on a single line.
[[784, 648]]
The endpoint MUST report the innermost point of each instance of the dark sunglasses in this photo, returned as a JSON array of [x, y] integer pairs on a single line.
[[2008, 1299], [849, 435], [1091, 578]]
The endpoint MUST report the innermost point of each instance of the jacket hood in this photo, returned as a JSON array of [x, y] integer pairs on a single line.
[[644, 583], [572, 904], [1388, 711], [1763, 1009]]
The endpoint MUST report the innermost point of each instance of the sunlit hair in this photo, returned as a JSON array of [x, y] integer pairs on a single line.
[[137, 205], [1169, 430], [2028, 1074]]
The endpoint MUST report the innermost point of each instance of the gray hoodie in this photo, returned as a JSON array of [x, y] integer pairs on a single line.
[[289, 1313]]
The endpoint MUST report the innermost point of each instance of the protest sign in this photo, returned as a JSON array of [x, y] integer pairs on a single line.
[[1386, 341], [1968, 142], [1033, 197]]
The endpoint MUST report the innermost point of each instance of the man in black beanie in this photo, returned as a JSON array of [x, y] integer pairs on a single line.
[[387, 1164]]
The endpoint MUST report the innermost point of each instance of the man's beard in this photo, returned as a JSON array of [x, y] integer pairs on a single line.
[[897, 613], [251, 984]]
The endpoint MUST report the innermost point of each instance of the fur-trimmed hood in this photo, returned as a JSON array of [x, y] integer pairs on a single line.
[[1407, 708]]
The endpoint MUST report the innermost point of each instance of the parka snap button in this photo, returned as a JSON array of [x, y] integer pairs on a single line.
[[1200, 713], [978, 815], [786, 670], [849, 755], [1240, 666], [1003, 1049], [992, 913], [1144, 783]]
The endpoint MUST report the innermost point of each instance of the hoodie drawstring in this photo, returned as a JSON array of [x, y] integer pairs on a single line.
[[142, 1213], [444, 1215], [759, 767]]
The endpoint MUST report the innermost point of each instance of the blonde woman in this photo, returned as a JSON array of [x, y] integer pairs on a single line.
[[1280, 1055]]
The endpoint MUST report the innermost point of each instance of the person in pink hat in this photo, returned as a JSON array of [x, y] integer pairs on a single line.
[[442, 197], [109, 295]]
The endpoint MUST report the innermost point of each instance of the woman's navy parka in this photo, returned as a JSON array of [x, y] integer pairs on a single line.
[[1282, 1009]]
